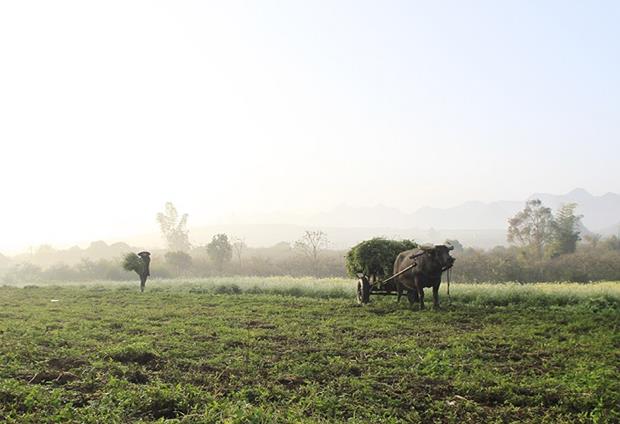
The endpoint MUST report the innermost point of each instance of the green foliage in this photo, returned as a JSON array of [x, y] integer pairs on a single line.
[[507, 264], [600, 262], [565, 230], [611, 243], [133, 262], [499, 353], [220, 251], [532, 228], [139, 352], [376, 256]]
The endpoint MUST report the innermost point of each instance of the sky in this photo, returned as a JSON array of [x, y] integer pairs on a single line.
[[110, 109]]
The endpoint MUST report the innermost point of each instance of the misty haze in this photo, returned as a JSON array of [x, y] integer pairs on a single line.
[[296, 211]]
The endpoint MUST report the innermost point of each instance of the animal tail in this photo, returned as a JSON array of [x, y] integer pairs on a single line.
[[448, 278]]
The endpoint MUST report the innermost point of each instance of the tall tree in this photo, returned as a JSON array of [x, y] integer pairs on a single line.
[[238, 246], [174, 229], [565, 230], [311, 245], [220, 251], [532, 228]]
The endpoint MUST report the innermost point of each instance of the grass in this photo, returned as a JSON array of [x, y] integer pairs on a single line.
[[284, 350]]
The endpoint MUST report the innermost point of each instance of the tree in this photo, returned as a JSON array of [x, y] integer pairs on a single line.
[[220, 251], [179, 261], [612, 243], [174, 229], [565, 230], [532, 228], [593, 239], [238, 246], [311, 245]]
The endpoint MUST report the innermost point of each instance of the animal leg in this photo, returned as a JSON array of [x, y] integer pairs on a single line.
[[436, 297], [412, 296], [399, 290], [416, 298], [421, 296]]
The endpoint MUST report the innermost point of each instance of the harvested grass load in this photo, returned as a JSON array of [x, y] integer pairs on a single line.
[[133, 262]]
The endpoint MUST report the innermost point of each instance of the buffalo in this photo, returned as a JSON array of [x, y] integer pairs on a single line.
[[430, 263]]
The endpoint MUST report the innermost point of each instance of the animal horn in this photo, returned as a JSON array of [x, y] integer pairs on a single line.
[[450, 247]]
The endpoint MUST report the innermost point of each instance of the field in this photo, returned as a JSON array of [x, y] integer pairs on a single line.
[[284, 350]]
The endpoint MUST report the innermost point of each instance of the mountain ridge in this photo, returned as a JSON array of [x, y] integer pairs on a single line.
[[599, 213]]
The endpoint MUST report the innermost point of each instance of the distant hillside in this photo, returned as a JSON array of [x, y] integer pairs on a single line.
[[600, 212], [4, 261], [475, 224], [469, 216], [46, 255], [343, 237], [613, 230]]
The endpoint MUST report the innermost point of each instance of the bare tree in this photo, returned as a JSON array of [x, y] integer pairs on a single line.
[[238, 246], [311, 245]]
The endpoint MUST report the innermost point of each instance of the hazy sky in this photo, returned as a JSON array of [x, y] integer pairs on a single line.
[[109, 109]]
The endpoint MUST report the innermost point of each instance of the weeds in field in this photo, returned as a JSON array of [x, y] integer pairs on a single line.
[[281, 350]]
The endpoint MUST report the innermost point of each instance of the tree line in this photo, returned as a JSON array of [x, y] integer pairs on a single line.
[[544, 246]]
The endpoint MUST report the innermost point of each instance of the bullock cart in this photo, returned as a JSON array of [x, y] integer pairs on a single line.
[[387, 287]]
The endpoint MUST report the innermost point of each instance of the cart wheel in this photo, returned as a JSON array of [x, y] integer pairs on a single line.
[[363, 290]]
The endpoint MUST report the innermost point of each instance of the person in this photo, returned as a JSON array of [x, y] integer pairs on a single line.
[[146, 259]]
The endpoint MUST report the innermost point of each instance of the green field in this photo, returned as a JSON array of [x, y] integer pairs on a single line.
[[283, 350]]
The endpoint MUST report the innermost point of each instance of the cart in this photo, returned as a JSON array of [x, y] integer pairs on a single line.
[[386, 287]]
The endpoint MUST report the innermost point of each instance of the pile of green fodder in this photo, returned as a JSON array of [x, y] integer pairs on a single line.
[[133, 262]]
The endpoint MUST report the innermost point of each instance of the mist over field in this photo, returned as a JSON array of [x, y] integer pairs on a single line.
[[313, 212]]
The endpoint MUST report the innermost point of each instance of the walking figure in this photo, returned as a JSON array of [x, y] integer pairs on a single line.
[[146, 259], [139, 263]]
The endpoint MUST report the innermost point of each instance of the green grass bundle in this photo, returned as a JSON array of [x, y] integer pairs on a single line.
[[376, 256], [133, 262]]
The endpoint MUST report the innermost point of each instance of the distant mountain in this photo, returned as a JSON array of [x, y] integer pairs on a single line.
[[4, 261], [475, 224], [342, 237], [600, 212], [468, 216], [613, 230], [375, 216]]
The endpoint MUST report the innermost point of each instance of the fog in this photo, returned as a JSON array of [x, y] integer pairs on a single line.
[[262, 113]]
